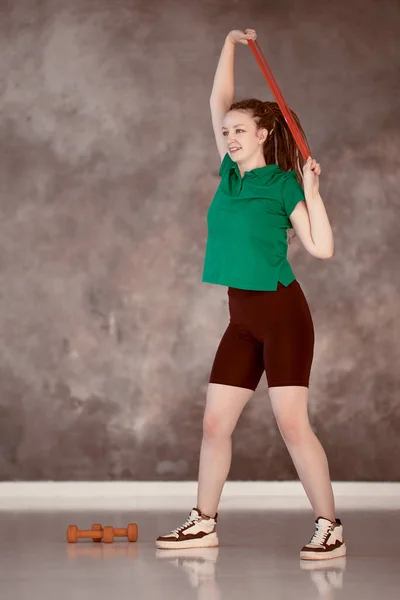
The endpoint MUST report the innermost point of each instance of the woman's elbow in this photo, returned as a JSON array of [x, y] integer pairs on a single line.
[[327, 255]]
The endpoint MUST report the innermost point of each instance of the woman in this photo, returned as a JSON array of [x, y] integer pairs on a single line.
[[260, 196]]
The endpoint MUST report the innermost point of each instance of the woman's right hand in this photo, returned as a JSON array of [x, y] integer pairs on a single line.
[[236, 36]]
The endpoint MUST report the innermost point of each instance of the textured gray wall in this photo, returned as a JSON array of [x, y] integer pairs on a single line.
[[108, 166]]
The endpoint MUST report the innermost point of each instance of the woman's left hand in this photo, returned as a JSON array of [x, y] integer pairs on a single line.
[[311, 171]]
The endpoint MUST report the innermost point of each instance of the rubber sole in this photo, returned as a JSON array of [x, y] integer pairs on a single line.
[[337, 564], [208, 541], [307, 555]]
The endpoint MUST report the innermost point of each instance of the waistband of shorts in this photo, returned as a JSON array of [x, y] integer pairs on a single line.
[[243, 292]]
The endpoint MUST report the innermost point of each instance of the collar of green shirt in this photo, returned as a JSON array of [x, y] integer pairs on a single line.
[[263, 173]]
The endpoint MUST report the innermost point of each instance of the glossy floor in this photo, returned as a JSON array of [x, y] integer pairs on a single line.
[[258, 558]]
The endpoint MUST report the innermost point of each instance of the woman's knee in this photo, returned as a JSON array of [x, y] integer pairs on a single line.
[[294, 431], [214, 426], [290, 406]]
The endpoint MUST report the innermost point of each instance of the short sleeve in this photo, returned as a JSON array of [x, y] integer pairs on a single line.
[[226, 164], [293, 193]]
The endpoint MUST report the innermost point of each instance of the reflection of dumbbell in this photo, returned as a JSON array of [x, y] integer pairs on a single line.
[[97, 533], [102, 551]]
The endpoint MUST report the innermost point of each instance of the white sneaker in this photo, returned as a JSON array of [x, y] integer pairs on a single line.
[[198, 531], [327, 541]]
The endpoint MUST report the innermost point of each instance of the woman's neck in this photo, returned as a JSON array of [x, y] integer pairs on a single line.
[[252, 163]]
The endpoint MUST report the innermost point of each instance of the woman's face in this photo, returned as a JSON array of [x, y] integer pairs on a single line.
[[243, 139]]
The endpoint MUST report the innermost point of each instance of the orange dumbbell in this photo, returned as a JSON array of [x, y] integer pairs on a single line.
[[98, 533], [131, 532]]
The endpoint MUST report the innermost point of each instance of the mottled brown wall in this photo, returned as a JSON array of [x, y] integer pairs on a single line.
[[108, 166]]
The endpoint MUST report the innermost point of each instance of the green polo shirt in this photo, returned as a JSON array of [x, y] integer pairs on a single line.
[[247, 222]]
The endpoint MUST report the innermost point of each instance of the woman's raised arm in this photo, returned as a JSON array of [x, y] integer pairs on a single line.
[[223, 91]]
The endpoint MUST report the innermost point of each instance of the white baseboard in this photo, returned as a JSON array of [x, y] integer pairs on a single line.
[[181, 495]]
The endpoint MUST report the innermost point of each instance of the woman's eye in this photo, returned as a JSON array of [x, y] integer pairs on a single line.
[[237, 131]]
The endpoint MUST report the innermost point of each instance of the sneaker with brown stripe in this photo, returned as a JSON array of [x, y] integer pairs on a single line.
[[327, 541], [198, 531]]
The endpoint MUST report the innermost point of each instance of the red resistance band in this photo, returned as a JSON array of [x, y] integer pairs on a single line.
[[300, 141]]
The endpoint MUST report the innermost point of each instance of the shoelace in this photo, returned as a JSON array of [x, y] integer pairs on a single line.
[[188, 521], [320, 535]]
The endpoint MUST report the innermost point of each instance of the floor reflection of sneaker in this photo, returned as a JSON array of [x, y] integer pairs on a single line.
[[197, 563], [327, 541], [327, 575]]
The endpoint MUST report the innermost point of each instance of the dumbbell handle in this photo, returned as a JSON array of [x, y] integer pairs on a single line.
[[95, 535], [120, 532]]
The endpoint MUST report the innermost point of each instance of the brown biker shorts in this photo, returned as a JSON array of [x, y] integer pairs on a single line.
[[268, 330]]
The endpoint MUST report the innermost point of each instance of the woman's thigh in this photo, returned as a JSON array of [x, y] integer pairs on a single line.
[[239, 360], [289, 344]]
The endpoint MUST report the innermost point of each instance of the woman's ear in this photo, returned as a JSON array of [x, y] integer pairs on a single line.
[[262, 135]]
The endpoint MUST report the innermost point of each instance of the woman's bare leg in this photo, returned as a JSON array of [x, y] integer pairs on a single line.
[[224, 406], [289, 404]]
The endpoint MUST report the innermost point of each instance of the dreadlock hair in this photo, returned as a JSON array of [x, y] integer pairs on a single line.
[[280, 147]]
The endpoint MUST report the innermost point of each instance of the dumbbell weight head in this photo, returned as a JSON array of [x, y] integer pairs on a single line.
[[72, 534], [132, 532], [108, 535], [97, 527]]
